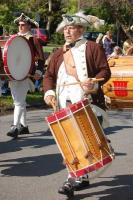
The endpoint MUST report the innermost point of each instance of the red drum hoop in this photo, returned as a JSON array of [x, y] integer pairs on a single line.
[[80, 139], [17, 58]]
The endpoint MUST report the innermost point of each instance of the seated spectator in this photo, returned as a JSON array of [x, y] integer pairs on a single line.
[[126, 45], [130, 51], [117, 52]]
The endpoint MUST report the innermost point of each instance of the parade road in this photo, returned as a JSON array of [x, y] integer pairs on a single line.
[[31, 167]]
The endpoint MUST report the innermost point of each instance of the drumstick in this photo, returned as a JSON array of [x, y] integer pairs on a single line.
[[29, 75], [53, 106], [5, 74], [80, 82]]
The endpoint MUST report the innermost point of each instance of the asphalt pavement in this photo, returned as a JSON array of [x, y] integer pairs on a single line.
[[31, 167]]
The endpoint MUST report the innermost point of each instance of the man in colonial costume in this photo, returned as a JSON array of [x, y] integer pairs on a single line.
[[78, 61], [20, 88]]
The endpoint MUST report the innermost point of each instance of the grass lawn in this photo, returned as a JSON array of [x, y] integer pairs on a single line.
[[32, 99], [49, 48]]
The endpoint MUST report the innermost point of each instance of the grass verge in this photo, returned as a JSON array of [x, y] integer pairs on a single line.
[[6, 102]]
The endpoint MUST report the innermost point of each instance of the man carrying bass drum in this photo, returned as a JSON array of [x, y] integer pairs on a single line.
[[19, 88]]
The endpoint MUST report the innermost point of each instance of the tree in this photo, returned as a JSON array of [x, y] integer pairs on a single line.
[[118, 12]]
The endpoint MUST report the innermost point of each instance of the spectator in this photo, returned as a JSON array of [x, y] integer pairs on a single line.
[[108, 43], [126, 45], [117, 52]]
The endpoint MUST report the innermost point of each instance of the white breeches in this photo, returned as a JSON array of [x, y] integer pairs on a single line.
[[19, 91]]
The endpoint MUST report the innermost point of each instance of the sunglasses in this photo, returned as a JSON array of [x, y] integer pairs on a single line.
[[22, 24]]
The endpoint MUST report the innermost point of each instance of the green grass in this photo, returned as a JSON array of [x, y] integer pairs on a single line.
[[47, 49], [6, 101], [50, 47], [35, 98]]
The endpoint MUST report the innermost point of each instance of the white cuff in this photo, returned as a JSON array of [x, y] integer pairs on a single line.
[[49, 92]]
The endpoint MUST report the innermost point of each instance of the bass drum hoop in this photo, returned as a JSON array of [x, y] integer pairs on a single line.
[[18, 58]]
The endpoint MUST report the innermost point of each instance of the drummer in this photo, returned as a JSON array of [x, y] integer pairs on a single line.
[[78, 60], [19, 89]]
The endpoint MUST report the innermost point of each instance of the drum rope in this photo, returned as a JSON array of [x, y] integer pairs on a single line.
[[94, 130], [56, 140], [69, 166], [111, 154], [83, 139], [92, 126], [84, 142], [66, 161], [79, 131], [66, 139]]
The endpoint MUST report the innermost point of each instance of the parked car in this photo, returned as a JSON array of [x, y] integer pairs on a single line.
[[42, 34], [91, 35]]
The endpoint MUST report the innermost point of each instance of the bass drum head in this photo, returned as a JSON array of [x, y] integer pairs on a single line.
[[18, 57]]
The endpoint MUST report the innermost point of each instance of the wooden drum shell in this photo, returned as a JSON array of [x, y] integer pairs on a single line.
[[80, 139]]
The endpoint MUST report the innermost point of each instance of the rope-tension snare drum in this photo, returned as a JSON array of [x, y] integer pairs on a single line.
[[80, 138]]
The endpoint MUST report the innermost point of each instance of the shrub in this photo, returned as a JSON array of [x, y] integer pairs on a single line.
[[57, 38]]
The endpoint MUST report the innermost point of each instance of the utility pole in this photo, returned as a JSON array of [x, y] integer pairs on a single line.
[[49, 16], [79, 1]]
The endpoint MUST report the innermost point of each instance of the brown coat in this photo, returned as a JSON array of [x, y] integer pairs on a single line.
[[97, 67]]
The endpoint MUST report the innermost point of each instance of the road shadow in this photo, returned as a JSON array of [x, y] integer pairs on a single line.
[[120, 188], [39, 165], [114, 129], [36, 140], [32, 166]]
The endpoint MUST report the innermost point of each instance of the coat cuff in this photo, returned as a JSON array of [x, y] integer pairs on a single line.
[[49, 92]]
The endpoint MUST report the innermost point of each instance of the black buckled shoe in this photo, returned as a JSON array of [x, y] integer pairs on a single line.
[[67, 189], [81, 185], [13, 132], [23, 130]]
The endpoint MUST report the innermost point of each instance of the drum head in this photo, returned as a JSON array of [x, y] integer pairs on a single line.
[[18, 57]]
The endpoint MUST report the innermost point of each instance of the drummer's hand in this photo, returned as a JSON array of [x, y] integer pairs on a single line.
[[50, 100], [37, 76], [88, 85]]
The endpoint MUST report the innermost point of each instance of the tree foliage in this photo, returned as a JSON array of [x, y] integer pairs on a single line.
[[113, 12]]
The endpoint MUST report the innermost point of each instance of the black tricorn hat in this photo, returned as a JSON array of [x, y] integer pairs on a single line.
[[26, 19]]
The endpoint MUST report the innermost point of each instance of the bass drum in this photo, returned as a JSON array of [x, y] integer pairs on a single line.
[[119, 89], [17, 58], [80, 139]]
